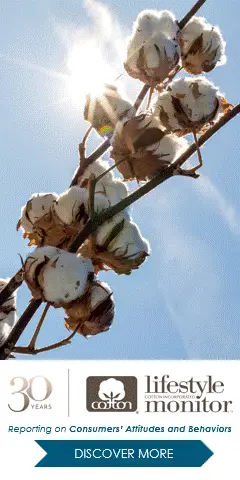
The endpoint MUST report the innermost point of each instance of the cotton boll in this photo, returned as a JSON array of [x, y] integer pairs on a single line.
[[101, 203], [202, 46], [94, 313], [65, 277], [116, 191], [109, 185], [188, 103], [106, 109], [8, 317], [153, 50], [33, 265], [129, 243], [72, 205], [38, 205], [170, 147], [105, 230], [97, 168], [142, 148]]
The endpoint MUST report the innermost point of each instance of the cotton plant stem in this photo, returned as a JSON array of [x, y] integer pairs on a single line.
[[33, 340], [53, 346], [89, 228], [191, 13], [14, 284]]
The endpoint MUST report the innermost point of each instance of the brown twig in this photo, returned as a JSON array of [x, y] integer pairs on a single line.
[[33, 340], [191, 13], [53, 346]]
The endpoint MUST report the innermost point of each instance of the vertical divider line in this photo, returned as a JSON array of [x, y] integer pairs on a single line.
[[68, 394]]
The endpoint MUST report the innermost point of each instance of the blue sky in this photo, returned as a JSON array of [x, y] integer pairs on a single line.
[[184, 301]]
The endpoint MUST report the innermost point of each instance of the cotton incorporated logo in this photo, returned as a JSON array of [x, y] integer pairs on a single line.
[[31, 393], [111, 394], [166, 395]]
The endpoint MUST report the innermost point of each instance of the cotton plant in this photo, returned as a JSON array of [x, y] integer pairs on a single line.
[[91, 218], [153, 50], [141, 149], [202, 46], [8, 315]]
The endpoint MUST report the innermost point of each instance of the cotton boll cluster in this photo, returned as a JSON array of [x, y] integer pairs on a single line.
[[202, 46], [104, 111], [38, 205], [56, 276], [188, 104], [8, 316], [60, 222], [109, 185], [143, 147], [153, 49], [94, 313]]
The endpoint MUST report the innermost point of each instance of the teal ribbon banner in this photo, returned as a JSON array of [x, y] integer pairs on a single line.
[[124, 453]]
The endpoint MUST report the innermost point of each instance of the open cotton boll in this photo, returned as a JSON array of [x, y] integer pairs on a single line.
[[104, 231], [116, 191], [202, 46], [153, 50], [188, 103], [65, 278], [95, 311], [8, 316], [150, 22], [72, 205], [109, 185], [38, 205], [169, 148], [35, 261], [96, 168], [104, 111], [144, 148], [129, 243]]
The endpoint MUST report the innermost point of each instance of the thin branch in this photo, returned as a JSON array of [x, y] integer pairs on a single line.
[[191, 13], [33, 340], [88, 161], [82, 145], [53, 346], [141, 97]]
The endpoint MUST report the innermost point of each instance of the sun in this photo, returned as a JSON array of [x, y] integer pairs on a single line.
[[89, 71]]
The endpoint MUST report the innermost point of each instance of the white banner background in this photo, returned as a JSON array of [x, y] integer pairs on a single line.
[[19, 453]]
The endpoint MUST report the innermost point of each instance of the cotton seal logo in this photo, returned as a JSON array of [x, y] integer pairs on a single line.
[[111, 394]]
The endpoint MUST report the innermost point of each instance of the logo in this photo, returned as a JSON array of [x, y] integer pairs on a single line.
[[111, 394], [164, 394], [33, 392]]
